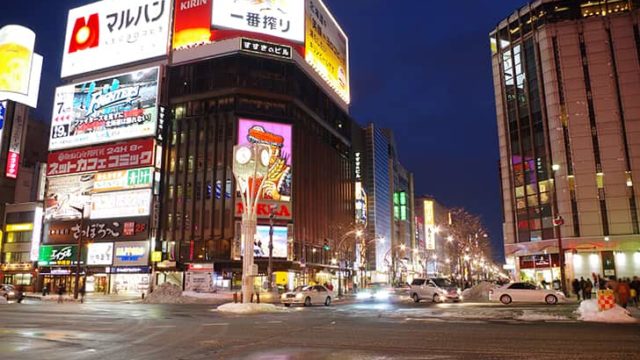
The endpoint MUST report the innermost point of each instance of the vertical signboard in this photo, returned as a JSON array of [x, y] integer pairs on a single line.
[[106, 110], [327, 48], [36, 234], [429, 225], [278, 137], [15, 142], [3, 113]]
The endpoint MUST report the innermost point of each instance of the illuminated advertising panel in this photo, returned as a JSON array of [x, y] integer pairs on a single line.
[[3, 114], [100, 254], [20, 67], [132, 153], [110, 33], [110, 109], [278, 18], [131, 253], [327, 48], [123, 180], [15, 143], [121, 204], [277, 185], [64, 255], [65, 232], [429, 225], [192, 23], [66, 194], [261, 245], [35, 235]]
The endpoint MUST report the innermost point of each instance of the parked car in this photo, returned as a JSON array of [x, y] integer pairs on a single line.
[[434, 289], [9, 292], [525, 292], [375, 292], [307, 295]]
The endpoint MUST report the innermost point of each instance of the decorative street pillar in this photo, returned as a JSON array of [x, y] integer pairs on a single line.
[[250, 167]]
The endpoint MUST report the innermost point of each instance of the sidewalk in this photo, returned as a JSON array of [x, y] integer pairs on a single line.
[[89, 298]]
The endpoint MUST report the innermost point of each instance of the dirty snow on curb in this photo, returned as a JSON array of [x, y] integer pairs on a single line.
[[479, 292], [249, 308], [3, 300], [588, 311], [529, 315]]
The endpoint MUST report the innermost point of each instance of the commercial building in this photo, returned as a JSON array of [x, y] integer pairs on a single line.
[[241, 83], [434, 252], [566, 87]]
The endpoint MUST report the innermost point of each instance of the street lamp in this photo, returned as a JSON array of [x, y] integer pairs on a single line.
[[80, 239], [250, 167]]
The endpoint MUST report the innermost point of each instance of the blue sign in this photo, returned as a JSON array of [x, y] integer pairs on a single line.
[[3, 110]]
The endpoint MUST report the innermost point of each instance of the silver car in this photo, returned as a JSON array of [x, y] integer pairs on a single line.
[[9, 292]]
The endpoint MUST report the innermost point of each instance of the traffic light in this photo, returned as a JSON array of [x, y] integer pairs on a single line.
[[326, 246]]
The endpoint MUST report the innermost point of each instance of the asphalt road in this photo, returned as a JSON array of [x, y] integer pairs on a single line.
[[345, 331]]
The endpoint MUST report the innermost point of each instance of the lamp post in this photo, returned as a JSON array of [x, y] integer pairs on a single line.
[[250, 166], [272, 215], [80, 239]]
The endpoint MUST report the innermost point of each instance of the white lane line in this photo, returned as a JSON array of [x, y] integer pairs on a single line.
[[162, 326], [216, 324]]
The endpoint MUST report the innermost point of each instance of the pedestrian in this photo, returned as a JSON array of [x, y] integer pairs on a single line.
[[45, 291], [82, 293], [623, 293], [575, 284], [544, 284], [587, 289], [635, 285], [61, 291], [583, 284]]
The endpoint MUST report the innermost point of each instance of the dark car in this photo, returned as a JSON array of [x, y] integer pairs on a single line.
[[9, 292]]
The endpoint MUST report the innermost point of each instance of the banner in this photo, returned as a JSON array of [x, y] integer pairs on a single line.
[[133, 153], [64, 232], [15, 144], [106, 110], [65, 195], [327, 48], [132, 253], [120, 204], [123, 180], [105, 34]]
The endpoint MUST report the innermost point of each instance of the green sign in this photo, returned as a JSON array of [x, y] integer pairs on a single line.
[[64, 255], [138, 177]]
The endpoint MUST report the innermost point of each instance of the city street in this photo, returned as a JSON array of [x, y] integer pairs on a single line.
[[348, 330]]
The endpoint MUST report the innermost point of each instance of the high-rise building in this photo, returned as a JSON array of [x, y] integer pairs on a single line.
[[566, 78]]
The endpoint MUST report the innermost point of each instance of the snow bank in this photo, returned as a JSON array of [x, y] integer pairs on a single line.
[[528, 315], [165, 294], [479, 292], [200, 295], [251, 308], [588, 311]]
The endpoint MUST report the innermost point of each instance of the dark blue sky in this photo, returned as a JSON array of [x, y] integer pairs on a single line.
[[419, 67]]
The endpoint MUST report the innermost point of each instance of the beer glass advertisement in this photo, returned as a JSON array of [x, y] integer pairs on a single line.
[[106, 110], [277, 184]]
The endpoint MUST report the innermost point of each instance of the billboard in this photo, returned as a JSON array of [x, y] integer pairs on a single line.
[[110, 109], [20, 67], [261, 244], [277, 185], [131, 253], [65, 194], [327, 48], [111, 33], [132, 153], [15, 144], [100, 254], [64, 255], [120, 204], [429, 225], [123, 180], [64, 232]]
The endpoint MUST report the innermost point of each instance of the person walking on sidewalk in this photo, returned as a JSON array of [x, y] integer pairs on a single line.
[[575, 284], [588, 287], [82, 293], [61, 291]]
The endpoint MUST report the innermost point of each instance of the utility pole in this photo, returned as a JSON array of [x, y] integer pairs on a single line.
[[558, 222], [272, 215]]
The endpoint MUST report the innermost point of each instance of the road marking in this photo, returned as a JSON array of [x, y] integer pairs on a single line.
[[216, 324], [162, 326]]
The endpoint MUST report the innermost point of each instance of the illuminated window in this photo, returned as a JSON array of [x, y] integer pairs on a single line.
[[600, 180]]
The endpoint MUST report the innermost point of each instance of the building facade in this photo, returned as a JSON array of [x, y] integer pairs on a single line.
[[566, 79]]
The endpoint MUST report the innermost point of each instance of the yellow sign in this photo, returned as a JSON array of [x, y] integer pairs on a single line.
[[156, 256], [19, 227], [327, 48], [429, 218], [282, 277]]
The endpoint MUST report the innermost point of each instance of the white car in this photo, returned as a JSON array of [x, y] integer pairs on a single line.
[[435, 289], [307, 295], [525, 292], [375, 292]]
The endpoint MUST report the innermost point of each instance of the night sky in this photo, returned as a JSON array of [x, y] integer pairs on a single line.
[[419, 67]]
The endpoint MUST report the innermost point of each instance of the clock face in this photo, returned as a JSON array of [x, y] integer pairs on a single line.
[[243, 155], [265, 156]]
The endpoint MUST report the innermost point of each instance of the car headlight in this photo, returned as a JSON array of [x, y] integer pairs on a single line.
[[459, 291], [363, 295], [11, 293], [299, 296], [381, 294]]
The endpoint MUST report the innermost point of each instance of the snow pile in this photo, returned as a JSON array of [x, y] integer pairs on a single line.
[[3, 300], [250, 308], [588, 311], [165, 294], [479, 292], [528, 315], [207, 295]]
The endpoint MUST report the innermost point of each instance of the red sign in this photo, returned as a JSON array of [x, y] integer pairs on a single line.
[[86, 33], [283, 210], [192, 23], [130, 154], [539, 261], [13, 164]]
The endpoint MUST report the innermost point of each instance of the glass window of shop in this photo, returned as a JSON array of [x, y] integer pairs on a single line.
[[16, 257], [18, 237], [18, 279]]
